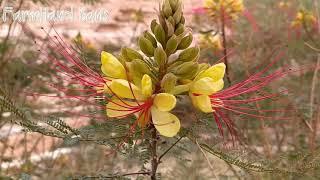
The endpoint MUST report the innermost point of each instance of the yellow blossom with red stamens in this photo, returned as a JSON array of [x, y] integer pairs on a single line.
[[218, 8], [144, 82], [206, 83], [142, 101]]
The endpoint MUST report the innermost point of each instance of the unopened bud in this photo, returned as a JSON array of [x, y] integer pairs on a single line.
[[140, 66], [170, 28], [187, 70], [160, 34], [174, 65], [166, 8], [190, 54], [129, 54], [160, 56], [168, 82], [171, 20], [150, 38], [174, 4], [179, 30], [185, 42], [178, 15], [172, 45], [153, 25], [146, 46]]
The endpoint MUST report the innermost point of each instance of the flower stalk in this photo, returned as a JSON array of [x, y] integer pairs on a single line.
[[224, 44], [154, 156]]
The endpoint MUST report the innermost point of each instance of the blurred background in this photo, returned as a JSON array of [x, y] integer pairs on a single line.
[[264, 29]]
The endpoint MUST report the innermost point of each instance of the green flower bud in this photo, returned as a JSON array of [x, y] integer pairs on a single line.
[[187, 70], [166, 8], [170, 28], [168, 82], [177, 15], [174, 65], [160, 56], [140, 66], [171, 20], [160, 34], [190, 54], [185, 42], [150, 38], [153, 25], [180, 89], [129, 54], [174, 4], [122, 59], [179, 30], [172, 45], [146, 46]]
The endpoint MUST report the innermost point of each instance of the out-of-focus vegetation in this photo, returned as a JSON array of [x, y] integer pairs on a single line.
[[81, 146]]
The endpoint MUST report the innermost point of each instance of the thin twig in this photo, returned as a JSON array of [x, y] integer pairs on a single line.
[[314, 123], [170, 148], [206, 157], [115, 176], [224, 44]]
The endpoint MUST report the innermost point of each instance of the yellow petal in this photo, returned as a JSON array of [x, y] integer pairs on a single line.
[[146, 85], [118, 108], [111, 66], [215, 72], [202, 102], [206, 86], [166, 123], [164, 101], [122, 89]]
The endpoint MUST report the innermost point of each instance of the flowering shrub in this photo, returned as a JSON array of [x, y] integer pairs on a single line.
[[143, 88]]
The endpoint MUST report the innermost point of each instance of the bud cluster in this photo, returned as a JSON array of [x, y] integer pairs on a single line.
[[166, 53]]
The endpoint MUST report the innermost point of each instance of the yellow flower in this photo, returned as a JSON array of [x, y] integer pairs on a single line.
[[230, 7], [142, 102], [206, 83], [303, 18], [111, 66]]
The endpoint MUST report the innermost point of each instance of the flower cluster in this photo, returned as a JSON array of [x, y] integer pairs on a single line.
[[304, 18], [225, 8], [145, 83]]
